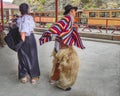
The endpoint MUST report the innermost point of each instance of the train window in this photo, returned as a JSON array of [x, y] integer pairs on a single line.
[[107, 14], [115, 14], [36, 14], [42, 14], [93, 14], [32, 14], [47, 14], [104, 14], [50, 15]]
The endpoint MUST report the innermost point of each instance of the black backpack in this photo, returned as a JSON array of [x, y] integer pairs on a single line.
[[13, 39]]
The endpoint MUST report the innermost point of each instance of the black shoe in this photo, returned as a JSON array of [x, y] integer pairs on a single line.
[[68, 89]]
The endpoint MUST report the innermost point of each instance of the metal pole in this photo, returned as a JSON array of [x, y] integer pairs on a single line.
[[56, 10], [2, 17]]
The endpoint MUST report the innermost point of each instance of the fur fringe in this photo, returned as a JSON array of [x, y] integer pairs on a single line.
[[2, 36], [68, 66]]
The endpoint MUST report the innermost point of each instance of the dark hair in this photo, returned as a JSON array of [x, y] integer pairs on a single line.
[[24, 8]]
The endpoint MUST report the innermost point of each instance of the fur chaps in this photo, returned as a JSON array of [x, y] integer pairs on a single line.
[[2, 36], [68, 67]]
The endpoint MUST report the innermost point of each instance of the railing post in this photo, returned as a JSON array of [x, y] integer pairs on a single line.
[[56, 10], [2, 18], [106, 25]]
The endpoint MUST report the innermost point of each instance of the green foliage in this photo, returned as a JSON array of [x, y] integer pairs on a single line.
[[35, 5], [39, 9], [90, 6], [43, 1], [85, 1], [39, 5], [93, 4], [98, 3], [48, 25], [5, 21], [76, 2]]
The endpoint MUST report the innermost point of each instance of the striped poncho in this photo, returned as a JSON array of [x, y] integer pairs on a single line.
[[64, 30]]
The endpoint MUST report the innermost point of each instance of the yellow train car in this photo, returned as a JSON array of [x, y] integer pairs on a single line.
[[102, 17], [49, 16], [105, 17]]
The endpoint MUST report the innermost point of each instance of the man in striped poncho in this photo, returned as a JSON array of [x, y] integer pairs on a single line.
[[65, 62]]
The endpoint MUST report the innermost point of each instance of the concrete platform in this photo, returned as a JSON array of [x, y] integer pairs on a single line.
[[99, 73], [115, 37]]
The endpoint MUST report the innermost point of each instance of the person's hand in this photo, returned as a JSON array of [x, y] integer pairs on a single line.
[[76, 26], [47, 35]]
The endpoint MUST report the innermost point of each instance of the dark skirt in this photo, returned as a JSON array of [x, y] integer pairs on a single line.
[[28, 58]]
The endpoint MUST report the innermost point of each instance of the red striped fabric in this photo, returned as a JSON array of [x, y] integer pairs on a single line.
[[65, 31]]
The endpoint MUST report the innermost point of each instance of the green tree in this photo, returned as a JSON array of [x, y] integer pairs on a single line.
[[76, 2], [98, 3], [85, 1]]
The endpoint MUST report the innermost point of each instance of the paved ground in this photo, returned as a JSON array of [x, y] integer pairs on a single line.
[[99, 73]]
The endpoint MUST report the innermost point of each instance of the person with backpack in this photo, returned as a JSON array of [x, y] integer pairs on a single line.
[[28, 67]]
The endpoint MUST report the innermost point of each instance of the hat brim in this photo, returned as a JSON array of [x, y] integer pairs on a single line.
[[67, 11], [74, 8]]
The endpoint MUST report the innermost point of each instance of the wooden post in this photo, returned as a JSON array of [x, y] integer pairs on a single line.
[[56, 10], [106, 25], [2, 17]]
